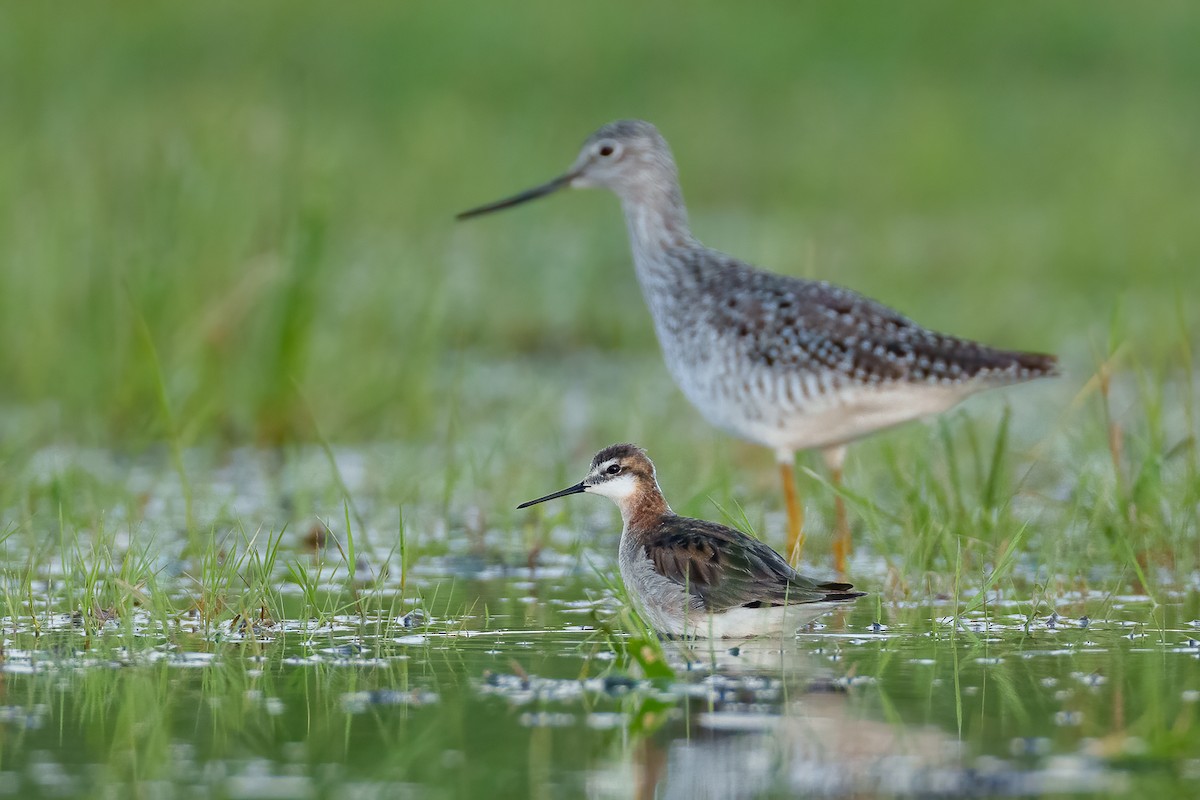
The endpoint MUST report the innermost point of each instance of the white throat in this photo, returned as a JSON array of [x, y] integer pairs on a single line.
[[620, 488], [624, 491]]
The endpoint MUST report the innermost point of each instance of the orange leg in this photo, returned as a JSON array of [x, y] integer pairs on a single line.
[[795, 512], [834, 459]]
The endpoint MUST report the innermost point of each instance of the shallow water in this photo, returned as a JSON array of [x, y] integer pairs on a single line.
[[249, 663], [531, 699]]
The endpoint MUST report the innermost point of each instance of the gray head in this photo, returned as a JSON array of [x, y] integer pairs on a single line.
[[619, 471], [629, 157]]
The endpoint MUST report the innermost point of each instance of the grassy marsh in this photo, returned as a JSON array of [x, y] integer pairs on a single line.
[[266, 411]]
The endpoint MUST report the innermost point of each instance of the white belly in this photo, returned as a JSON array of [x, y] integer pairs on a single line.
[[842, 419], [809, 414], [741, 623], [665, 606]]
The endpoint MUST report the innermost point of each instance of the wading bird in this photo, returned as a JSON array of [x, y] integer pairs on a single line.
[[689, 577]]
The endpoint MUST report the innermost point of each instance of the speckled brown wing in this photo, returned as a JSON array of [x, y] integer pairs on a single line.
[[781, 321], [723, 568]]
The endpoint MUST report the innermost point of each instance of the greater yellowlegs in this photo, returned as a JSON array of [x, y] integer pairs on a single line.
[[689, 577], [788, 363]]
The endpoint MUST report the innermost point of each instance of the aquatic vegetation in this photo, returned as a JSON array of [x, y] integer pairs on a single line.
[[266, 413]]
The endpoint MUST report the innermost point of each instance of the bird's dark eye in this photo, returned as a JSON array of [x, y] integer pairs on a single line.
[[606, 150], [613, 469]]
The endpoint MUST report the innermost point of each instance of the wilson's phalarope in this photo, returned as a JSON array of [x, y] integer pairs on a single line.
[[689, 577]]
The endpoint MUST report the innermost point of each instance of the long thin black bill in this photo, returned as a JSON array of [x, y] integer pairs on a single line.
[[525, 196], [576, 489]]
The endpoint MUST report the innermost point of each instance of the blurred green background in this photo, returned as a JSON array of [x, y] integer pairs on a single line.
[[221, 222]]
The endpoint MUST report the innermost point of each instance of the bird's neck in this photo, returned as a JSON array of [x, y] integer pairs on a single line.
[[642, 509], [661, 242], [653, 205], [656, 218]]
